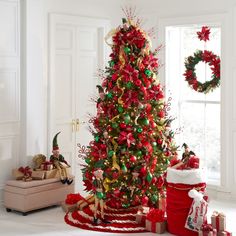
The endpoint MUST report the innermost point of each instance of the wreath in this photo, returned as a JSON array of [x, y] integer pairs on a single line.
[[204, 56], [190, 74]]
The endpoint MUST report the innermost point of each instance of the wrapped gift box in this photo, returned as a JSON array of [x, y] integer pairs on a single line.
[[141, 218], [218, 221], [17, 174], [224, 233], [38, 174], [156, 227], [54, 173], [85, 202], [156, 221], [141, 215], [69, 207], [207, 230]]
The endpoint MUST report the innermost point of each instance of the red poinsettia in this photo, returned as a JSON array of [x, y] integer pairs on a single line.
[[126, 137], [204, 33]]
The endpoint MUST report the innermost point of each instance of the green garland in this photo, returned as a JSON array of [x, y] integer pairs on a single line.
[[190, 74]]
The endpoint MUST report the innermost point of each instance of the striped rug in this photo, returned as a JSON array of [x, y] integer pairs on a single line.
[[122, 221]]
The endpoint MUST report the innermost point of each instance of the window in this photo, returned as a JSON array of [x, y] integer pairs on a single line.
[[197, 114]]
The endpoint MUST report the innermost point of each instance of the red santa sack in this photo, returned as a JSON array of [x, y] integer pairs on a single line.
[[179, 183]]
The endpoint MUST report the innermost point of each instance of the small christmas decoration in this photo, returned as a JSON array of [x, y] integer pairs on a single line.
[[59, 162], [99, 196], [197, 213], [189, 160], [207, 57]]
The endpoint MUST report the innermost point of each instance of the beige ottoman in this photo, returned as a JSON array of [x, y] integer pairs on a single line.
[[27, 196]]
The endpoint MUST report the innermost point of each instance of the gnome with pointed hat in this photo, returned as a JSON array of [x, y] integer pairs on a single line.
[[59, 162]]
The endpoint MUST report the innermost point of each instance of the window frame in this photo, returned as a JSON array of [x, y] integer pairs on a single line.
[[221, 21]]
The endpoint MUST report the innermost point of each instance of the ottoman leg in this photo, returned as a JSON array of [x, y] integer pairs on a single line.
[[8, 209]]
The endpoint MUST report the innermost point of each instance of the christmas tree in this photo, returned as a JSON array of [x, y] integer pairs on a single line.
[[133, 142]]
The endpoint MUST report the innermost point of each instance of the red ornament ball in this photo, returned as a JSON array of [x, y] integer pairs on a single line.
[[133, 158], [145, 200]]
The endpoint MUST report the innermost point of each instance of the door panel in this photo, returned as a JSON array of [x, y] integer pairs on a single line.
[[75, 53]]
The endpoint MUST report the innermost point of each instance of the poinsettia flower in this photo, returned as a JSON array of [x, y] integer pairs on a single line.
[[128, 137], [204, 33], [188, 74]]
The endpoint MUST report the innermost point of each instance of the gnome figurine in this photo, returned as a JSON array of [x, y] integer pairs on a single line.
[[59, 162]]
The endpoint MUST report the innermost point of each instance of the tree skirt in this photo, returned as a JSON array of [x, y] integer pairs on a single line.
[[122, 221]]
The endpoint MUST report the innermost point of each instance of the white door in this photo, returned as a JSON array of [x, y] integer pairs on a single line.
[[9, 88], [77, 50]]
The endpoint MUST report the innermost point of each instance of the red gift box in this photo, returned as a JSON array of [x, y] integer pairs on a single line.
[[141, 218], [218, 221], [47, 165], [155, 221]]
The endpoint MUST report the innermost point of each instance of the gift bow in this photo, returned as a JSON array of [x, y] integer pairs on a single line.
[[155, 215], [218, 214], [207, 228], [25, 170]]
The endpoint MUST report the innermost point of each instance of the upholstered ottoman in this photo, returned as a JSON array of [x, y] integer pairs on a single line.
[[27, 196]]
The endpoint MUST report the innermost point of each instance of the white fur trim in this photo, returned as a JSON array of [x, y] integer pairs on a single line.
[[192, 176]]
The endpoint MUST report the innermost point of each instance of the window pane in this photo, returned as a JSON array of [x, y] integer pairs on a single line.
[[212, 160], [192, 120], [198, 115]]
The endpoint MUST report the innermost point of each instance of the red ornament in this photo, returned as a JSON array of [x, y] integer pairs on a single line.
[[133, 158], [160, 182], [143, 170], [161, 114], [159, 141], [144, 200], [154, 180], [122, 125]]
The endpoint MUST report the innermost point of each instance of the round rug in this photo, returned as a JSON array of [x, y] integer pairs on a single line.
[[121, 221]]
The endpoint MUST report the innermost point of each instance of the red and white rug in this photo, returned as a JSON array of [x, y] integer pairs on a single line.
[[122, 221]]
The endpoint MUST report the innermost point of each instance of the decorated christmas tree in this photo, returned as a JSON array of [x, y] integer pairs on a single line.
[[133, 142]]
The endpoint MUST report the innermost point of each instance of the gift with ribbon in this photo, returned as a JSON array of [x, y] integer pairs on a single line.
[[225, 233], [27, 172], [197, 213], [141, 215], [155, 221], [207, 230], [218, 221], [85, 202], [47, 165]]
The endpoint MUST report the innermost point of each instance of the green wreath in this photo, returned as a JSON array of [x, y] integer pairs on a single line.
[[190, 74]]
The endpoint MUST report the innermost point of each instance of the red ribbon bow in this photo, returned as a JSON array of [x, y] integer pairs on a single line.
[[25, 170], [155, 215], [207, 228]]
